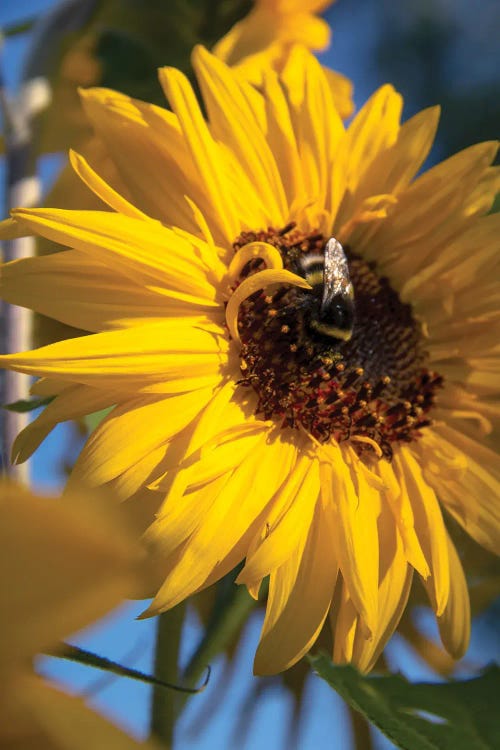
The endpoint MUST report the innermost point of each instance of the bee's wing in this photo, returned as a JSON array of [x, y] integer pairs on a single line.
[[335, 273]]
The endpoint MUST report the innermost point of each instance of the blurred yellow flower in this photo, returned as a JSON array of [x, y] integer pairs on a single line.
[[266, 35], [62, 565], [275, 22], [251, 416]]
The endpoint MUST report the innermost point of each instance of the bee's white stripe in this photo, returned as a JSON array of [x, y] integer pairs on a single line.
[[311, 260]]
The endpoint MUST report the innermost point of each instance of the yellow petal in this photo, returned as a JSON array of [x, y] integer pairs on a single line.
[[466, 413], [481, 199], [151, 157], [281, 137], [131, 484], [232, 122], [221, 526], [180, 516], [203, 148], [101, 188], [62, 566], [373, 130], [429, 526], [317, 125], [151, 421], [69, 723], [341, 89], [356, 537], [49, 387], [430, 211], [291, 512], [392, 170], [465, 259], [74, 402], [168, 357], [454, 623], [231, 408], [401, 506], [222, 454], [395, 578], [300, 592], [272, 24], [144, 251], [467, 479], [10, 229], [86, 294], [345, 624]]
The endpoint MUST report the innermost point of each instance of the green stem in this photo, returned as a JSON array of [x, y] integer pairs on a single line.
[[228, 618], [166, 707]]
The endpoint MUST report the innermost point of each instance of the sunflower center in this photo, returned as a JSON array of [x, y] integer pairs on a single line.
[[370, 386]]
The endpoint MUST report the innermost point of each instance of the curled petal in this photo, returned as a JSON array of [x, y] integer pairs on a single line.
[[263, 250], [254, 284]]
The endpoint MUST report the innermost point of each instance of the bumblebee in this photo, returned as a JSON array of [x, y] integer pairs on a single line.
[[330, 303]]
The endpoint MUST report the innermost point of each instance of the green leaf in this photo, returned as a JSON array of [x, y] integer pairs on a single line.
[[455, 715], [91, 421], [21, 407], [136, 38], [496, 205]]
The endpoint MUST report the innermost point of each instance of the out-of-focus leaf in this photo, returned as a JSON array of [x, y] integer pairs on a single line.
[[457, 715], [496, 205], [142, 36], [20, 27], [60, 53], [21, 407], [232, 607], [51, 32], [118, 44]]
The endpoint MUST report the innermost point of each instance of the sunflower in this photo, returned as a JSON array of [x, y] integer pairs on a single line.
[[307, 404]]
